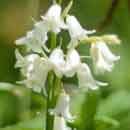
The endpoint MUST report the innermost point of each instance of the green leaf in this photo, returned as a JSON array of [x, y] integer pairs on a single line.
[[34, 124], [67, 9], [106, 122], [115, 105], [88, 111]]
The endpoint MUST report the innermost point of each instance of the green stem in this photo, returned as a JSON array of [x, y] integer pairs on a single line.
[[52, 40], [49, 118], [53, 93], [52, 84], [88, 111], [57, 88]]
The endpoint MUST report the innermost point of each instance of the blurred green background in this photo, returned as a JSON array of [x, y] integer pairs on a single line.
[[108, 109]]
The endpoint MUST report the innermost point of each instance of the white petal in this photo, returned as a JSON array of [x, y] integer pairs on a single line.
[[76, 31], [34, 40], [38, 76], [53, 19], [86, 79], [41, 37], [73, 43], [107, 53], [60, 124], [42, 26], [99, 63], [21, 41], [57, 59], [35, 70], [102, 66], [37, 38], [103, 58], [62, 107], [32, 57], [72, 63], [54, 11], [19, 58]]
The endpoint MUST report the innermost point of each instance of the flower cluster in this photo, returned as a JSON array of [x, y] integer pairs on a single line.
[[41, 60]]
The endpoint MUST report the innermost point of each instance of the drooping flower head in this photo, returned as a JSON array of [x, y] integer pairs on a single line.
[[57, 60], [72, 63], [34, 69], [52, 22], [35, 39], [53, 19], [103, 58], [76, 31], [86, 79], [63, 107], [60, 124]]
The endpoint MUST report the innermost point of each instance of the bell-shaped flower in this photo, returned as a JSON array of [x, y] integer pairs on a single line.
[[34, 69], [63, 107], [57, 60], [35, 39], [103, 58], [60, 124], [86, 79], [72, 62], [53, 19], [40, 33], [76, 31]]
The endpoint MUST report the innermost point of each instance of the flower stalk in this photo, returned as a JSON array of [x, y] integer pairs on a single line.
[[51, 89], [49, 118]]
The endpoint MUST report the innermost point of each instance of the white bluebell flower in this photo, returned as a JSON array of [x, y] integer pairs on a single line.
[[35, 69], [86, 79], [63, 107], [72, 62], [52, 22], [103, 58], [56, 58], [35, 39], [76, 31], [53, 19], [60, 124]]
